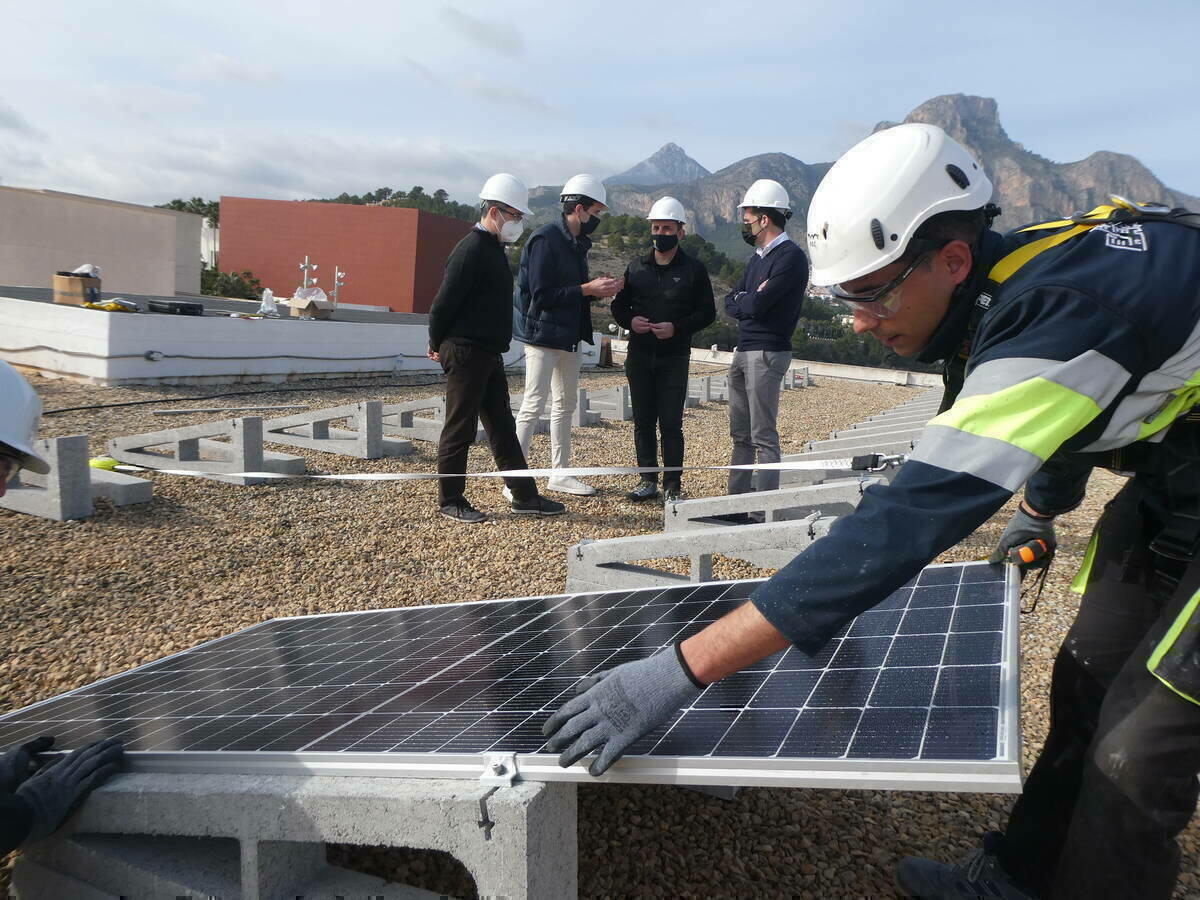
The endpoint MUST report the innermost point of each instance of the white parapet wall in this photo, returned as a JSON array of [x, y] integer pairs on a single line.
[[124, 348], [826, 370]]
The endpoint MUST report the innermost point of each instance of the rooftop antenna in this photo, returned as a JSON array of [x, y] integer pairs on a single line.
[[338, 283], [306, 268]]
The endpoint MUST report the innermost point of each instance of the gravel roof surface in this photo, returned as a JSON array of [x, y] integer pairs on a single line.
[[81, 601]]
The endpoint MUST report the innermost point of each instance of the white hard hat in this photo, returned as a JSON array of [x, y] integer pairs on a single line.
[[668, 208], [869, 205], [585, 186], [20, 410], [507, 189], [767, 193]]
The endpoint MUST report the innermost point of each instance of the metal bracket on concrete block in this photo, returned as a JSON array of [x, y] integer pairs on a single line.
[[499, 770]]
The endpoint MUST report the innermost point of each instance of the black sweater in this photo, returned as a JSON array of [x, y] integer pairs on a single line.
[[474, 303], [679, 292], [767, 316]]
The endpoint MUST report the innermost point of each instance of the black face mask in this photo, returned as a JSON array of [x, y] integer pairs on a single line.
[[664, 243], [586, 228], [748, 234]]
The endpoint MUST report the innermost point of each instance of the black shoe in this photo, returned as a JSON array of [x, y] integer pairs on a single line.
[[734, 519], [672, 495], [979, 875], [538, 506], [647, 490], [462, 511]]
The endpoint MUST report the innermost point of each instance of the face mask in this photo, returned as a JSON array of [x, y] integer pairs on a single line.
[[664, 243], [586, 228], [748, 234], [511, 231]]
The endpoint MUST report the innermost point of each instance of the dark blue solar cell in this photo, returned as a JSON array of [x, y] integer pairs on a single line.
[[962, 733], [732, 692], [756, 733], [821, 733], [697, 733], [968, 686], [934, 595], [940, 575], [898, 600], [844, 687], [904, 687], [874, 622], [796, 658], [978, 618], [786, 689], [983, 594], [976, 574], [861, 653], [889, 734], [926, 621], [916, 650], [981, 647]]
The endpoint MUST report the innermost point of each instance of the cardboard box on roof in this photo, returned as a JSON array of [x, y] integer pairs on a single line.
[[75, 290]]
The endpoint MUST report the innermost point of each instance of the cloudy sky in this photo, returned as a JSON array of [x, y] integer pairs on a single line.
[[145, 100]]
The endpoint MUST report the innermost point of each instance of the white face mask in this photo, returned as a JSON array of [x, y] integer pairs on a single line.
[[511, 231]]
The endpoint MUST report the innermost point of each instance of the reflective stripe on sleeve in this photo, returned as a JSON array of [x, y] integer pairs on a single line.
[[994, 460], [1176, 660]]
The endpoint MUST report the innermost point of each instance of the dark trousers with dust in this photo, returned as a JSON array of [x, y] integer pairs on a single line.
[[658, 392], [1116, 781], [477, 390], [754, 385]]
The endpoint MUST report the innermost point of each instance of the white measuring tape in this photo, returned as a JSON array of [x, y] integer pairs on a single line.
[[871, 462]]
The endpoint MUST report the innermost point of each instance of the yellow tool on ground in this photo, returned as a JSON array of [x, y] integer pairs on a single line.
[[103, 462]]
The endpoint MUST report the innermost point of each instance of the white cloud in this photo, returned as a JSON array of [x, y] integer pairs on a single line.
[[212, 66], [499, 36], [11, 120]]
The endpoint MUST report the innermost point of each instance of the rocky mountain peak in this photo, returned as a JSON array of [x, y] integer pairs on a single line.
[[670, 164]]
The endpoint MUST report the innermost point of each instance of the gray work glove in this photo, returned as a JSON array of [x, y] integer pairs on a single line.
[[16, 763], [54, 790], [613, 709], [1020, 542]]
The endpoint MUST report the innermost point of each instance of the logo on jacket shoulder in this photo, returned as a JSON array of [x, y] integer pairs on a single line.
[[678, 279], [984, 301], [1124, 236]]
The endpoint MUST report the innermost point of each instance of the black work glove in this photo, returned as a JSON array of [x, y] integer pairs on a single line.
[[54, 790], [16, 763], [1022, 535]]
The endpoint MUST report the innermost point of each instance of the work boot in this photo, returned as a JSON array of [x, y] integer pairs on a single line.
[[538, 506], [565, 484], [647, 490], [462, 511], [978, 877]]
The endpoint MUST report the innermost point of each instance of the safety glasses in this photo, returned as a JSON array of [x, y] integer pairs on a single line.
[[882, 302]]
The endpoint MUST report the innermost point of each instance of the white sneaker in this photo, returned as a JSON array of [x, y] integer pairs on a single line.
[[565, 484], [507, 494]]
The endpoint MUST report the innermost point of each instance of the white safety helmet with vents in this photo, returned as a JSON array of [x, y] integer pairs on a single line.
[[768, 194], [871, 203], [668, 208], [507, 189], [20, 410], [585, 186]]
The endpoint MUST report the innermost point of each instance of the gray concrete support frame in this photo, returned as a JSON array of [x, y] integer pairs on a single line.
[[68, 489], [608, 564], [242, 452], [312, 431], [262, 837]]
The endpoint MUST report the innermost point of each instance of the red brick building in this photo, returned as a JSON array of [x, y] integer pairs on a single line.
[[393, 257]]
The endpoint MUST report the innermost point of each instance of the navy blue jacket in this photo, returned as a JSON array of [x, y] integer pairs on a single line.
[[549, 309], [1092, 345], [768, 317], [679, 292]]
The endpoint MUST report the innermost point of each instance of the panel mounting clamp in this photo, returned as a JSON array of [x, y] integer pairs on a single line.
[[499, 770]]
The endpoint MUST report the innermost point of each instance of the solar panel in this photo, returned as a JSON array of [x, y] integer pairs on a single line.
[[918, 693]]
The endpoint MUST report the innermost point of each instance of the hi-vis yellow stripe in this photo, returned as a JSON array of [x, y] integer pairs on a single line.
[[1181, 401], [1036, 416], [1008, 266]]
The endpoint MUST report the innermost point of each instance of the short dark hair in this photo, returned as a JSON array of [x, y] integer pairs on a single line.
[[777, 217], [958, 225], [571, 201], [486, 206]]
